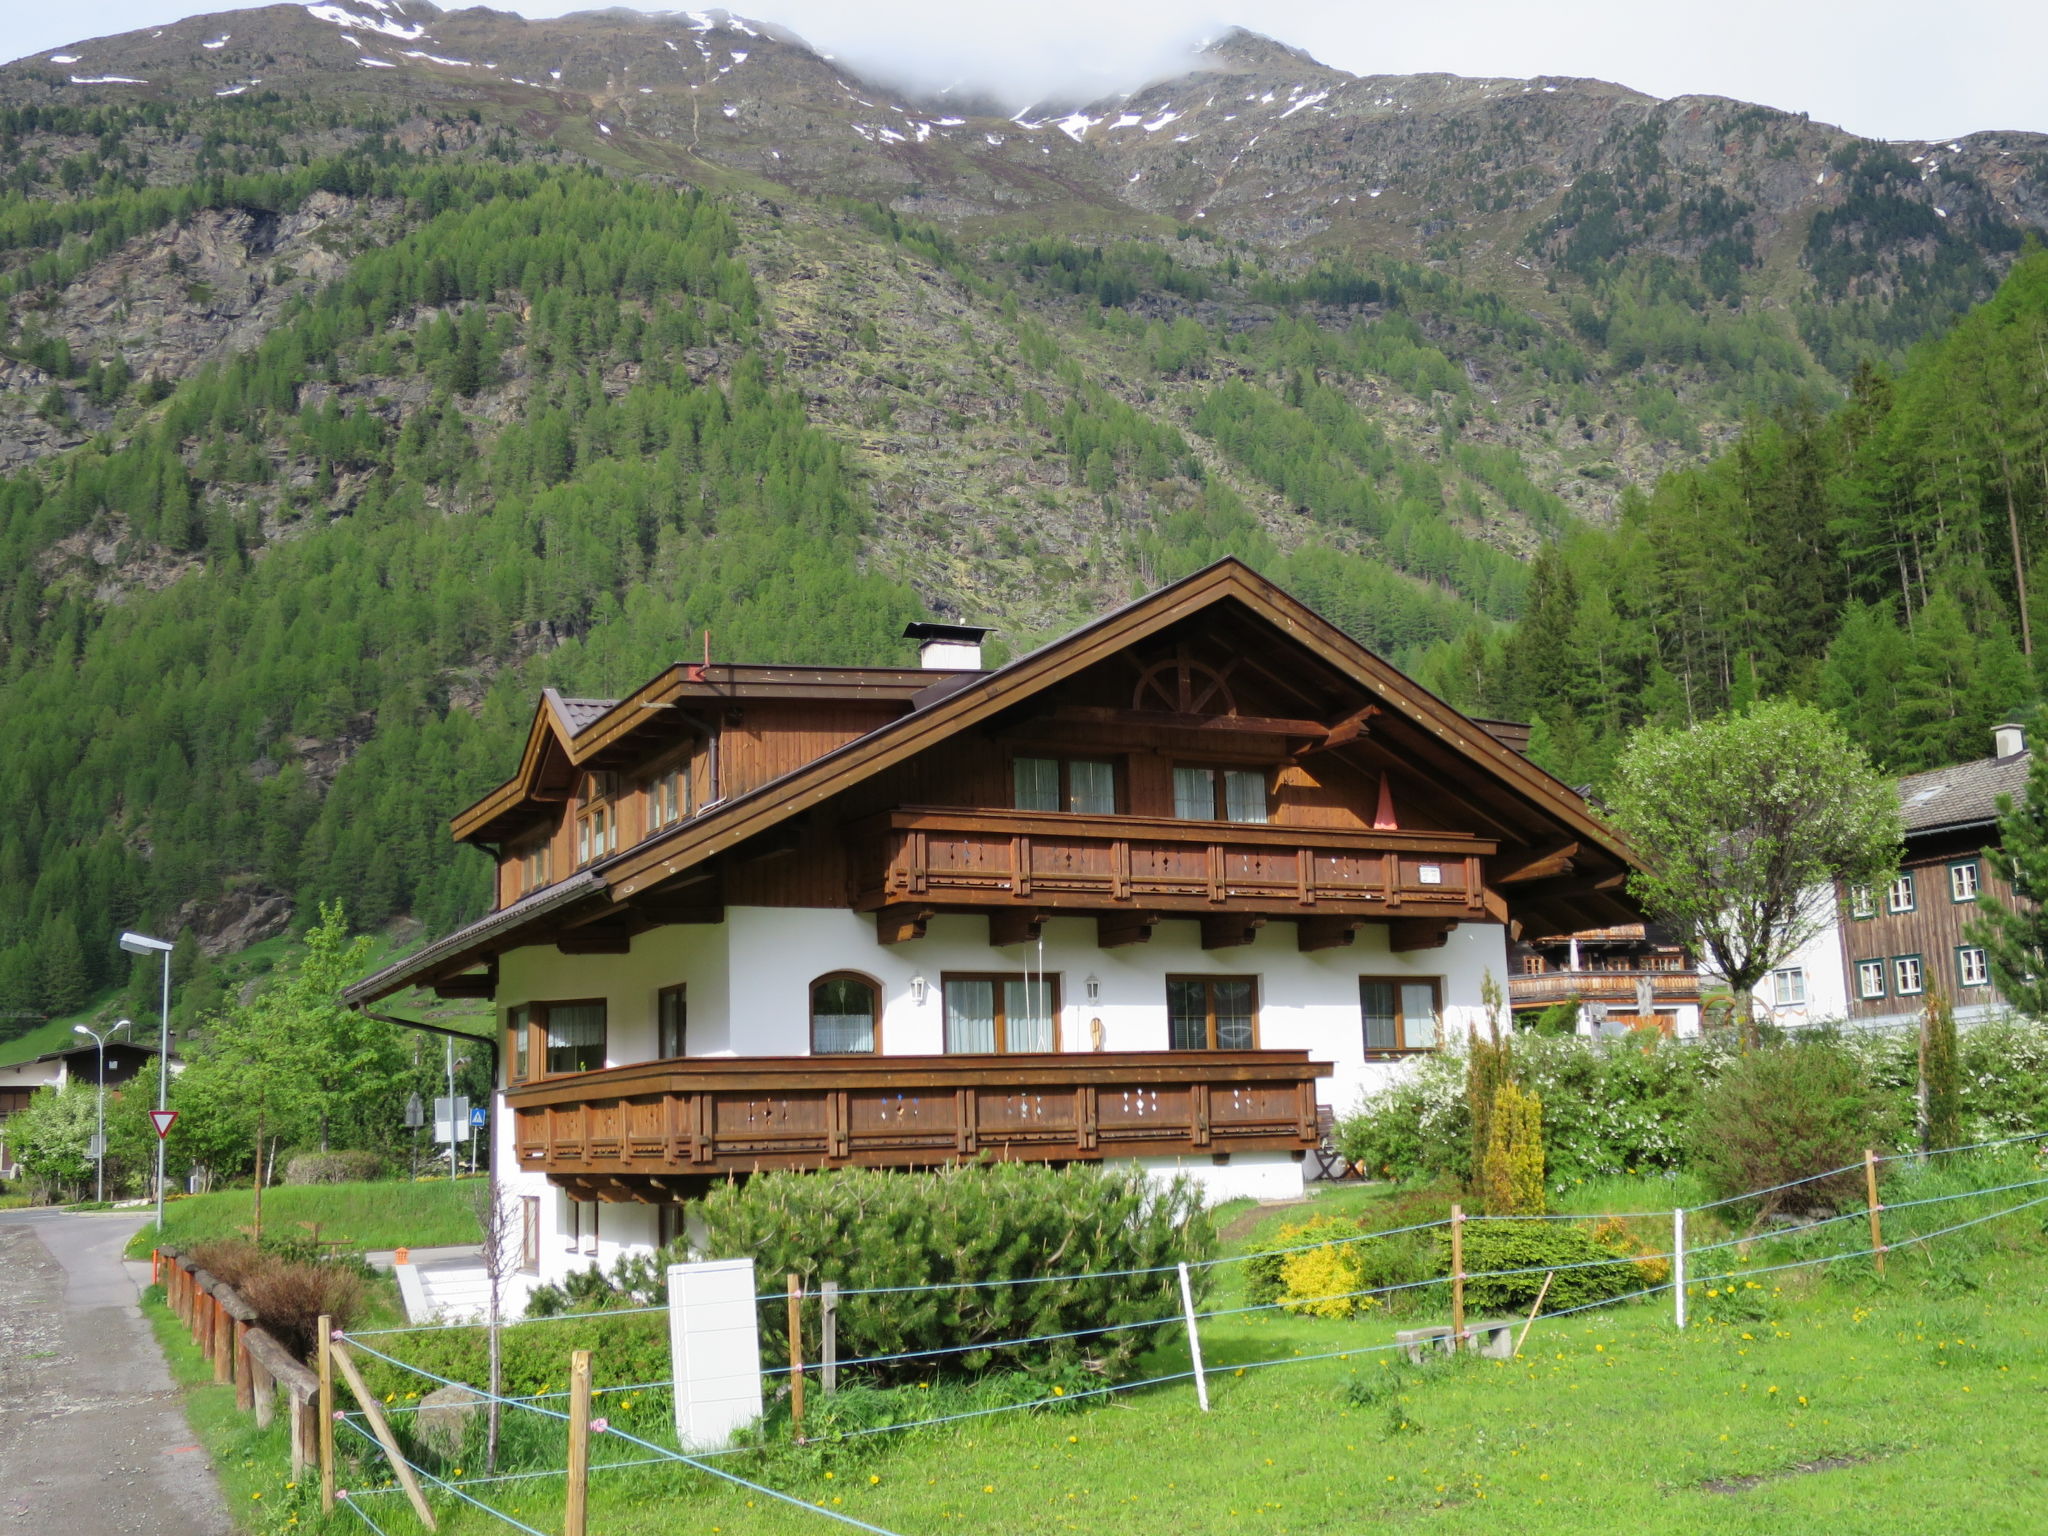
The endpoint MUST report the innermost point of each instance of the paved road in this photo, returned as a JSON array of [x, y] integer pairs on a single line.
[[92, 1437]]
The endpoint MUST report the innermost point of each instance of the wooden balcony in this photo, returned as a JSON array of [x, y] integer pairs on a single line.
[[924, 858], [659, 1130], [1668, 987]]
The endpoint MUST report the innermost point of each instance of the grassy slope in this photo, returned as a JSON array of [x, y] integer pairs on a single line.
[[1845, 1402], [422, 1215]]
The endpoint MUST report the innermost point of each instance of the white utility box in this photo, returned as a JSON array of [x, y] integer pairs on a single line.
[[714, 1340]]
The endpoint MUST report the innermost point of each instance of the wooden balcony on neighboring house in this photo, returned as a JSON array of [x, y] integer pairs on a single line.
[[1666, 986], [1020, 867], [662, 1130]]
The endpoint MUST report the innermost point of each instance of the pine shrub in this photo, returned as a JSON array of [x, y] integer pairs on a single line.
[[1511, 1178], [958, 1239], [1941, 1085], [1788, 1112], [1534, 1248]]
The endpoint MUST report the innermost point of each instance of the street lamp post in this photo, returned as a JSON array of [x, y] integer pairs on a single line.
[[143, 944], [100, 1159]]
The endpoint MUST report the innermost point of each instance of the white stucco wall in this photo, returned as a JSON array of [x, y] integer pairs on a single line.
[[749, 981]]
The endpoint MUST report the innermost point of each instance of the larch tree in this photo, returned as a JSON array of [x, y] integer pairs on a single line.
[[1746, 824]]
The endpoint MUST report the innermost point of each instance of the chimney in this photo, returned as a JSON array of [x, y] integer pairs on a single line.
[[2009, 739], [947, 647]]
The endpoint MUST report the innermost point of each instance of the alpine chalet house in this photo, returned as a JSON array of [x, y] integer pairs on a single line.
[[1155, 893]]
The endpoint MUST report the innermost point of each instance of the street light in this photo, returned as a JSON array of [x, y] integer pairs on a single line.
[[100, 1159], [143, 944]]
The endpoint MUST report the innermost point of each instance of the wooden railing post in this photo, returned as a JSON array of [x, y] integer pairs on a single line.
[[576, 1508], [374, 1412], [245, 1398], [828, 1335], [1876, 1226], [796, 1357], [1457, 1276], [325, 1426]]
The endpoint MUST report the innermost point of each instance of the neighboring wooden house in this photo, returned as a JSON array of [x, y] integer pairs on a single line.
[[1900, 943], [1161, 892], [19, 1080], [1632, 976]]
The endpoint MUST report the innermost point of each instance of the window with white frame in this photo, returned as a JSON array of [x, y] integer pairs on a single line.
[[1870, 978], [1899, 897], [668, 797], [1972, 968], [1788, 987], [1962, 881], [1862, 901], [1906, 980]]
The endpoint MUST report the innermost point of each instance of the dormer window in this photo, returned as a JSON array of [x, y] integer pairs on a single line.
[[668, 797], [535, 865], [597, 823], [1203, 793]]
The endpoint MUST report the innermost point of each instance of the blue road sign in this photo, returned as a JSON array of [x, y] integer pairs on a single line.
[[478, 1117]]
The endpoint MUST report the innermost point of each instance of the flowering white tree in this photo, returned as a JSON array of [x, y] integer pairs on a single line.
[[1747, 822]]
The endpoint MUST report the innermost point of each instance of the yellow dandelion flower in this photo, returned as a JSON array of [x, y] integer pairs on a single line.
[[874, 1478]]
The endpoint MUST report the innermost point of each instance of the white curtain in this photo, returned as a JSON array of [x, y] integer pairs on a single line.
[[1244, 795], [1027, 1015], [1418, 1015], [1194, 794], [970, 1017], [1092, 788], [1036, 781]]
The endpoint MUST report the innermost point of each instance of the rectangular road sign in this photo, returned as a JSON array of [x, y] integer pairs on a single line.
[[451, 1126]]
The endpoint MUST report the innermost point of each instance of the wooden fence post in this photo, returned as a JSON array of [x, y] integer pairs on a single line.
[[325, 1427], [374, 1412], [828, 1334], [1876, 1227], [576, 1509], [223, 1339], [245, 1395], [796, 1357], [1457, 1277]]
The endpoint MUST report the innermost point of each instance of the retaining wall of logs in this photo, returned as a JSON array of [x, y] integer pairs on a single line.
[[261, 1370]]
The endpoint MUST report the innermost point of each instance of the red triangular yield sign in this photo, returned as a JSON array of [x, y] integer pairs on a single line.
[[163, 1120]]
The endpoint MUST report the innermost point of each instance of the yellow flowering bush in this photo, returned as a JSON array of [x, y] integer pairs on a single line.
[[1317, 1280]]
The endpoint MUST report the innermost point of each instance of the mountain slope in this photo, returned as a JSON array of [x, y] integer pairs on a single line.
[[365, 367]]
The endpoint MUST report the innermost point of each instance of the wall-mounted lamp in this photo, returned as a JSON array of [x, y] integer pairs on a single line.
[[917, 990], [1094, 986]]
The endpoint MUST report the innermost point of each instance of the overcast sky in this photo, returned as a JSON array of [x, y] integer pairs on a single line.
[[1884, 68]]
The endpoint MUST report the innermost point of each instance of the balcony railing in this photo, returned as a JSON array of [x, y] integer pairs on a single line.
[[656, 1129], [1045, 859], [1603, 987]]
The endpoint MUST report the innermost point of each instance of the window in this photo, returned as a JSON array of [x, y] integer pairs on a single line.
[[1401, 1013], [534, 865], [571, 1036], [1972, 969], [1862, 901], [845, 1014], [1899, 898], [1212, 1013], [668, 797], [1788, 987], [1001, 1013], [668, 1223], [671, 1023], [529, 1233], [1219, 794], [1084, 785], [1869, 978], [597, 834], [582, 1225], [1962, 881], [597, 824], [518, 1024], [1906, 975]]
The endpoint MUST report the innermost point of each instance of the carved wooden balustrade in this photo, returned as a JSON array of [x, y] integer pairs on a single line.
[[976, 859], [663, 1128]]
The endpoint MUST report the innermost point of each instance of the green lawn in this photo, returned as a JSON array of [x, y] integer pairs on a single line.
[[384, 1215], [1824, 1402]]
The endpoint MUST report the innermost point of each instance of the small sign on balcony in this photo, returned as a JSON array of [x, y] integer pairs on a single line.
[[1429, 874]]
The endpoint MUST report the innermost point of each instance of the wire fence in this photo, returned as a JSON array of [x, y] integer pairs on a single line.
[[636, 1452]]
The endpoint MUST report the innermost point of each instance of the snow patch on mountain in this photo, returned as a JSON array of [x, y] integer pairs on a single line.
[[379, 23]]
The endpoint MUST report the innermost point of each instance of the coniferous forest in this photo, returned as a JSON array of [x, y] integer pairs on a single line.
[[332, 428]]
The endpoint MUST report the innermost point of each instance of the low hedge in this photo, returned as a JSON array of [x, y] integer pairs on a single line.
[[1536, 1248]]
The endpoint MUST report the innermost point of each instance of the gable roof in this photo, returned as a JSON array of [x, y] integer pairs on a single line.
[[953, 704], [1963, 795]]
